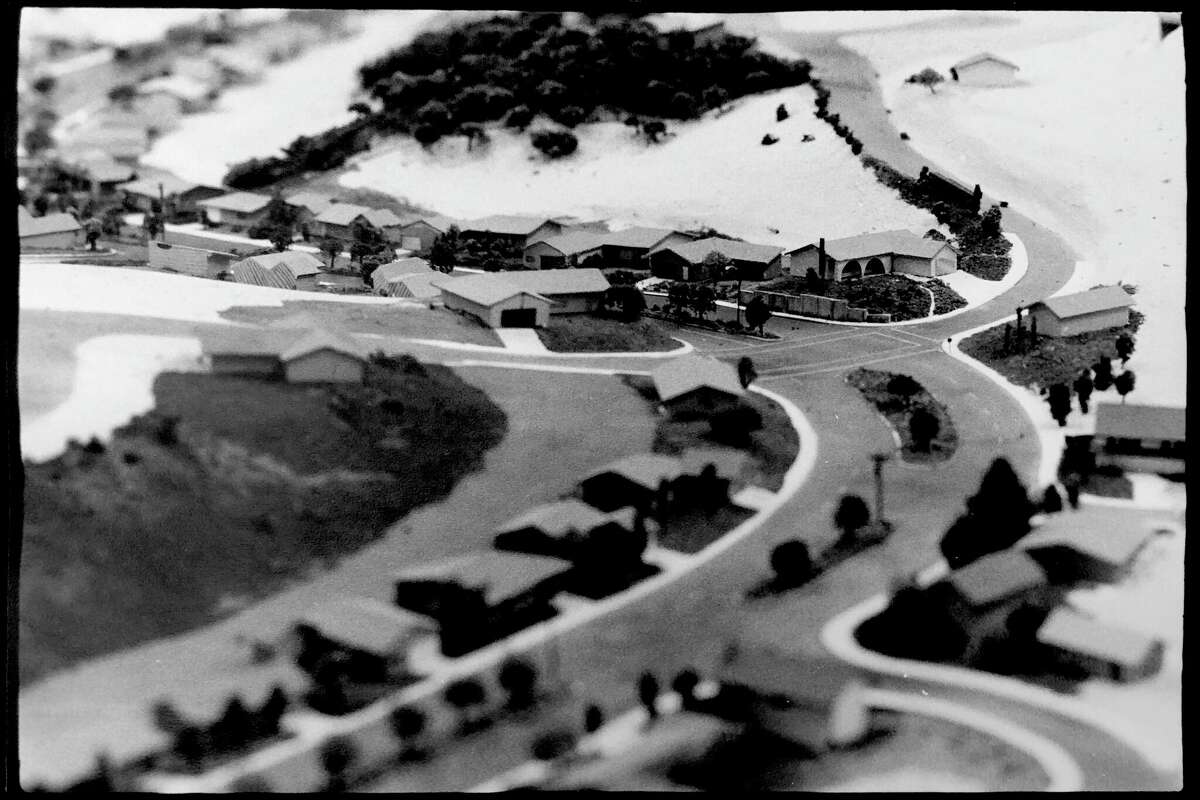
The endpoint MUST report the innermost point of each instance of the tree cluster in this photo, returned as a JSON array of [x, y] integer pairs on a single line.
[[996, 517], [687, 299], [514, 68], [324, 151]]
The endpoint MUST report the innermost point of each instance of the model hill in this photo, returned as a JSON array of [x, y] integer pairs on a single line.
[[515, 69]]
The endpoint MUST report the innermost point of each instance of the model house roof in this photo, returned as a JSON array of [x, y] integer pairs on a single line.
[[99, 166], [501, 575], [979, 58], [1069, 630], [367, 625], [314, 202], [1091, 534], [318, 340], [486, 289], [728, 462], [437, 222], [244, 202], [996, 577], [637, 237], [946, 179], [395, 269], [382, 218], [58, 222], [687, 373], [551, 282], [507, 224], [645, 469], [342, 213], [694, 252], [806, 680], [898, 242], [148, 187], [418, 286], [574, 242], [298, 262], [1103, 298], [184, 87], [1141, 422], [564, 517]]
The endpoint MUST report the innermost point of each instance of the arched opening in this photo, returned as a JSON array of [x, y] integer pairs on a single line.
[[875, 267], [852, 269]]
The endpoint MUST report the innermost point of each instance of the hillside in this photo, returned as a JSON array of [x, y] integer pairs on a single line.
[[172, 526]]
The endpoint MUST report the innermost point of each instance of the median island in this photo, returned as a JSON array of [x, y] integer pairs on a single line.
[[227, 490]]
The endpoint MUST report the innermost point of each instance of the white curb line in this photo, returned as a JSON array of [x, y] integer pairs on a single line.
[[1060, 768]]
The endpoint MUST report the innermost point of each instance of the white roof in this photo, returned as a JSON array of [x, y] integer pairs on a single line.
[[318, 340], [246, 202], [486, 289]]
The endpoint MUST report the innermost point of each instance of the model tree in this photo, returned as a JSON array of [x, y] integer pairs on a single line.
[[791, 563], [1060, 403], [1124, 383], [923, 427], [852, 515], [928, 77], [1124, 345], [757, 314], [746, 371], [647, 690], [1083, 389], [997, 516], [1102, 369]]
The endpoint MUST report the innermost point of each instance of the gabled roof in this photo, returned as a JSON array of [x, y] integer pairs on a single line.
[[395, 269], [645, 469], [419, 285], [508, 224], [342, 213], [686, 373], [573, 242], [100, 166], [58, 222], [439, 223], [486, 289], [171, 185], [501, 575], [558, 519], [382, 218], [1091, 534], [866, 245], [996, 577], [1141, 422], [551, 282], [245, 202], [318, 340], [314, 202], [1103, 298], [637, 237], [300, 263], [367, 625], [1069, 630], [694, 252], [980, 57]]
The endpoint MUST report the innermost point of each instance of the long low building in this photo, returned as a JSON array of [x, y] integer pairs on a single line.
[[195, 261], [58, 230], [623, 249], [874, 254], [685, 261], [524, 298], [1141, 438], [1082, 312]]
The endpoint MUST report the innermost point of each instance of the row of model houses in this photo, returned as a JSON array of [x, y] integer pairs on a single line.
[[1066, 549]]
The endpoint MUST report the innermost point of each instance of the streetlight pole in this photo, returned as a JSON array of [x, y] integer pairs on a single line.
[[879, 458]]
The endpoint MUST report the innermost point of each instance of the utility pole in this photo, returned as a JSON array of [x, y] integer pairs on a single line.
[[737, 300], [879, 458], [162, 210]]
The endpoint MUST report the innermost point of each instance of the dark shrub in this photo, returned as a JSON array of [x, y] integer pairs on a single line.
[[555, 144], [549, 746], [735, 424], [791, 562]]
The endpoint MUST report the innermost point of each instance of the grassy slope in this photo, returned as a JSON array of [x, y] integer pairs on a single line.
[[580, 333], [1054, 360], [117, 553], [873, 385], [367, 318]]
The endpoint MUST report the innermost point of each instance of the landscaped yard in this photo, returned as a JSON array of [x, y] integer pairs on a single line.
[[944, 298], [898, 398], [882, 294], [1053, 359], [419, 323], [258, 480], [591, 334]]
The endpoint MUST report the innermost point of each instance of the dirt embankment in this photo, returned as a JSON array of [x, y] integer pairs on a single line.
[[174, 525]]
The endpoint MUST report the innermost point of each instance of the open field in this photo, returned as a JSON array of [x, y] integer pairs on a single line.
[[1097, 119]]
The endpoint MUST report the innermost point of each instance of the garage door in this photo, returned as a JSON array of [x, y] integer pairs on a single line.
[[518, 318]]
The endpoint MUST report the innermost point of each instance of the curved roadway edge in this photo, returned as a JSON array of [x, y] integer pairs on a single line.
[[309, 736], [1063, 773], [683, 349], [838, 637]]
